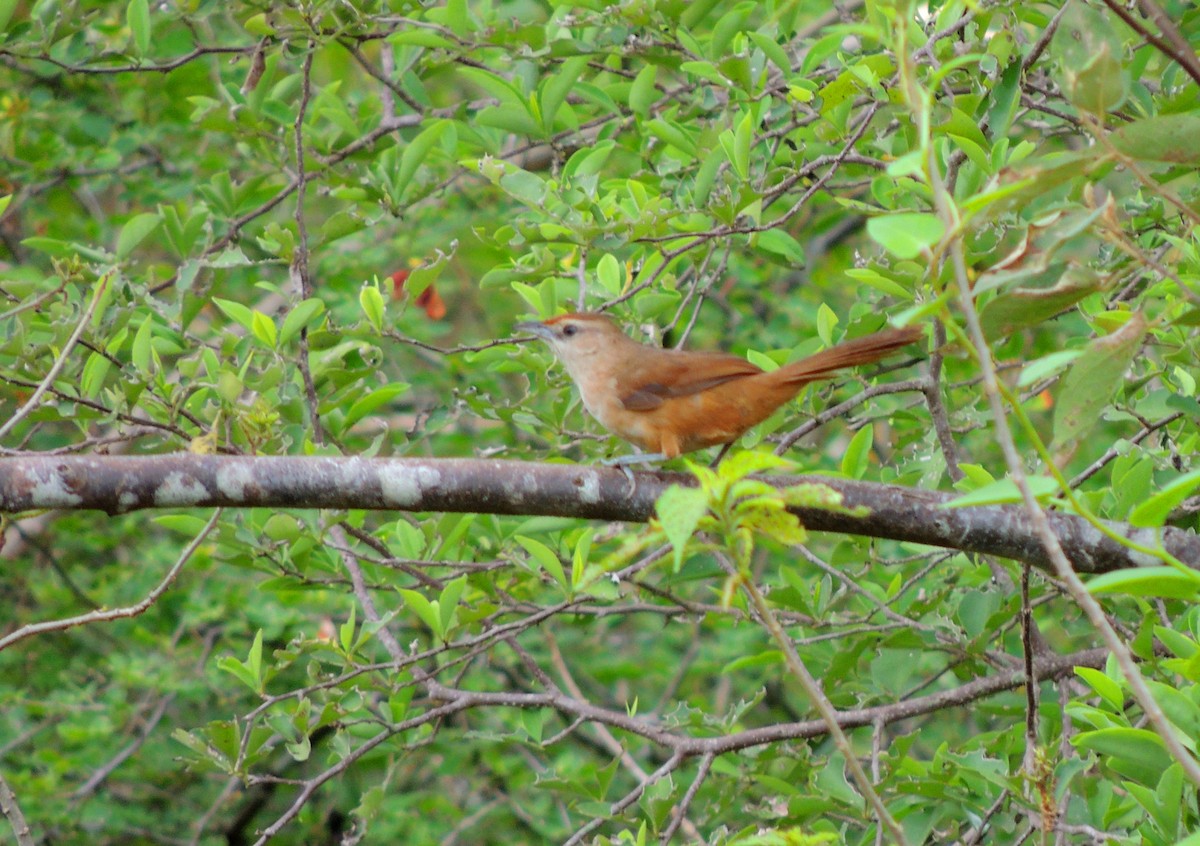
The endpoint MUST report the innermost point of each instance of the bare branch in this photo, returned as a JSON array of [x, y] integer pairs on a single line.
[[119, 484]]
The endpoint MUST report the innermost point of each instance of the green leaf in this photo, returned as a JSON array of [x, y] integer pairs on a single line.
[[1090, 57], [679, 512], [415, 152], [95, 371], [135, 231], [588, 161], [448, 601], [1042, 368], [545, 557], [142, 351], [236, 312], [7, 7], [766, 658], [1163, 581], [424, 609], [1163, 138], [857, 456], [346, 632], [372, 401], [263, 329], [1108, 689], [254, 659], [608, 272], [420, 38], [773, 51], [371, 303], [56, 247], [1093, 379], [1004, 490], [249, 672], [301, 314], [782, 244], [1155, 510], [642, 93], [1021, 307], [906, 235], [742, 142], [552, 93], [1137, 753], [137, 15], [827, 321], [673, 135], [527, 187]]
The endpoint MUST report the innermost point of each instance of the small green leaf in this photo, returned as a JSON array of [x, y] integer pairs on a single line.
[[1137, 753], [1021, 307], [137, 15], [301, 315], [424, 609], [782, 244], [527, 187], [545, 557], [1093, 379], [1162, 581], [1003, 491], [135, 231], [643, 93], [608, 271], [766, 658], [772, 51], [95, 371], [371, 302], [254, 660], [420, 38], [552, 93], [372, 401], [263, 328], [249, 672], [673, 135], [142, 350], [346, 633], [857, 456], [827, 321], [679, 512], [742, 143], [1164, 138], [448, 601], [236, 312], [1155, 510], [906, 235], [416, 151], [1108, 689]]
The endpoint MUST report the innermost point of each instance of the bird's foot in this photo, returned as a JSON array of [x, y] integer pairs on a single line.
[[624, 462]]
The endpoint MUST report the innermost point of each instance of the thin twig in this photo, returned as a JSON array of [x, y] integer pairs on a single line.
[[101, 615], [61, 361]]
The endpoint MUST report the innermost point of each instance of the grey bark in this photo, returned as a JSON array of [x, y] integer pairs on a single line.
[[118, 484]]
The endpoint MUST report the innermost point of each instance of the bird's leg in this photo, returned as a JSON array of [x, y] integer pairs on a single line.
[[721, 454], [646, 458], [623, 461]]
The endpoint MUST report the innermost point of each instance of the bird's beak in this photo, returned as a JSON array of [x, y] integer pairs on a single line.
[[534, 327]]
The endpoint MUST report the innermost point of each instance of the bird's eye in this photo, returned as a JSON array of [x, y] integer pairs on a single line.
[[570, 329]]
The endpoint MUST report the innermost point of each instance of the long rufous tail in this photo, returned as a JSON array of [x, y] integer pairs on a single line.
[[865, 350]]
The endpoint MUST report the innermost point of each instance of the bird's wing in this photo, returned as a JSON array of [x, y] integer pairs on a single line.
[[670, 375]]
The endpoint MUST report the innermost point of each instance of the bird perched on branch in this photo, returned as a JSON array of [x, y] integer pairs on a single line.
[[669, 402]]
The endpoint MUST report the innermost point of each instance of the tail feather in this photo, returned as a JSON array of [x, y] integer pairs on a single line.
[[865, 350]]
